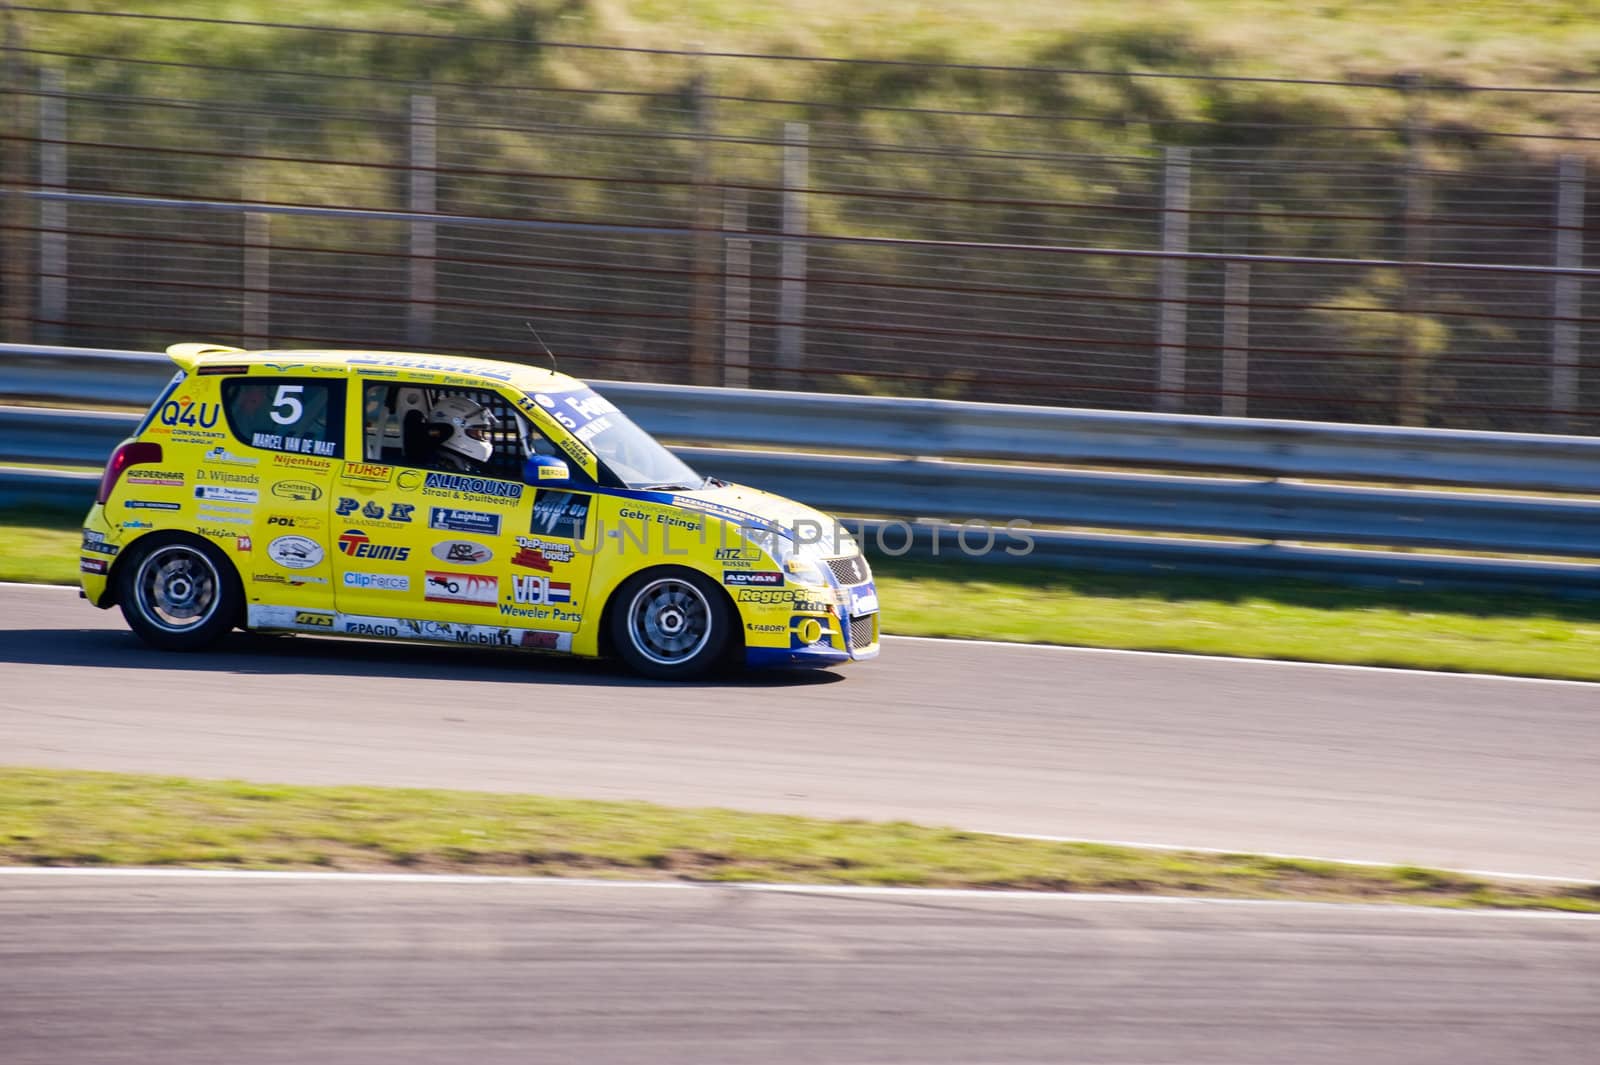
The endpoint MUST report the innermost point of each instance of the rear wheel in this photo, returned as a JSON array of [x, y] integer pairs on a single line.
[[179, 594], [672, 624]]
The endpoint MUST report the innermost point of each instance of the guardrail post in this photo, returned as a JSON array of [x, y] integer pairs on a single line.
[[1174, 281], [736, 291], [423, 199], [255, 279], [16, 316], [52, 213], [792, 255], [706, 253], [1566, 294]]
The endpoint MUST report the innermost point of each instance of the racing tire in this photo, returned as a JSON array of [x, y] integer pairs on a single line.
[[671, 624], [179, 593]]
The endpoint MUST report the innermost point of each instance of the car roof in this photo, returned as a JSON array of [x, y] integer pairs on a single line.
[[419, 366]]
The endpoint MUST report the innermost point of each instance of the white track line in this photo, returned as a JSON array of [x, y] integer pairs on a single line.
[[1237, 660], [762, 888]]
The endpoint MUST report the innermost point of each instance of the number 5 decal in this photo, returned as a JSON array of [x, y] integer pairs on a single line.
[[288, 401]]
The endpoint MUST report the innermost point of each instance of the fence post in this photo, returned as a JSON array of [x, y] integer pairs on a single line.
[[1236, 339], [1173, 280], [1238, 231], [1414, 223], [792, 254], [16, 316], [706, 253], [1567, 293], [424, 199], [52, 213], [736, 291], [255, 279]]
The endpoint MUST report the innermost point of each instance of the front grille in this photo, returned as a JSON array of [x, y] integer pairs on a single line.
[[863, 632], [848, 571]]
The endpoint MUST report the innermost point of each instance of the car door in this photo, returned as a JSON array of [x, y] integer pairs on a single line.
[[273, 481]]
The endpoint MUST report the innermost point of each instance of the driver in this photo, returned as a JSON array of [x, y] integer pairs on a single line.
[[463, 429]]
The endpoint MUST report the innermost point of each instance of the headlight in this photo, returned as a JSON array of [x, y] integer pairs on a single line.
[[800, 562]]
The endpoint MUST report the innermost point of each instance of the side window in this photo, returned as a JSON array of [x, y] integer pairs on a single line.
[[304, 416], [460, 430]]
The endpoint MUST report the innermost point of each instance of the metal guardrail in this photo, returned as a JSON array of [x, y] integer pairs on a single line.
[[953, 491], [954, 429]]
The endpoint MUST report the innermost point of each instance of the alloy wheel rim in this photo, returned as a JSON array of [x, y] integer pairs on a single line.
[[177, 588], [669, 621]]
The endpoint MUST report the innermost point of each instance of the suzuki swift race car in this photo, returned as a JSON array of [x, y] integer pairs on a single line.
[[456, 501]]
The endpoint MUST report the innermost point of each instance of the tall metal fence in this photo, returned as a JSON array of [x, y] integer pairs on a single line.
[[1097, 249]]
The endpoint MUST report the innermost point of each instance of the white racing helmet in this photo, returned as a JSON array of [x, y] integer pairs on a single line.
[[468, 423]]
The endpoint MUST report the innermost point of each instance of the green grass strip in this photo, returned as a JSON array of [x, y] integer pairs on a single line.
[[72, 818], [1524, 635]]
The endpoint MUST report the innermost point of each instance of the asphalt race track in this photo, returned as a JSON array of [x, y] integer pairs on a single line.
[[141, 970], [1463, 772]]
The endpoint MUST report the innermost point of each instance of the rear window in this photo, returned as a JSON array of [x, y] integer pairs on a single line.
[[302, 416]]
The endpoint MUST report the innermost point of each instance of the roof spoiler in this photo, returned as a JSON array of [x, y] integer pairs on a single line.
[[187, 355]]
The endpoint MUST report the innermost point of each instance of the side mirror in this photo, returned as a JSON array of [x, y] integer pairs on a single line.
[[546, 471]]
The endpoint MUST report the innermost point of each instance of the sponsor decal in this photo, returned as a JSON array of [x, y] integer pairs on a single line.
[[302, 445], [811, 606], [372, 511], [449, 519], [357, 544], [544, 641], [492, 370], [295, 552], [189, 414], [279, 578], [346, 506], [138, 525], [303, 462], [242, 543], [401, 512], [863, 599], [408, 480], [553, 473], [368, 471], [215, 534], [533, 553], [227, 477], [661, 517], [753, 627], [752, 578], [307, 617], [226, 494], [398, 513], [362, 627], [542, 591], [738, 554], [221, 454], [463, 486], [284, 521], [159, 478], [92, 565], [378, 582], [564, 515], [470, 588], [769, 596], [96, 542], [225, 517], [146, 504], [462, 552], [297, 491]]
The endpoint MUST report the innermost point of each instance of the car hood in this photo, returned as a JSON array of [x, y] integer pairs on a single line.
[[751, 506]]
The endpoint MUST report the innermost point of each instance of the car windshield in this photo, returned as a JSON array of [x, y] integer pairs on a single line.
[[637, 458]]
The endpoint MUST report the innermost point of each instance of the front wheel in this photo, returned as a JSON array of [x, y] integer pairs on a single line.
[[671, 624], [179, 594]]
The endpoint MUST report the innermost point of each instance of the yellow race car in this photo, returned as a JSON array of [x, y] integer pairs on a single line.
[[459, 501]]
